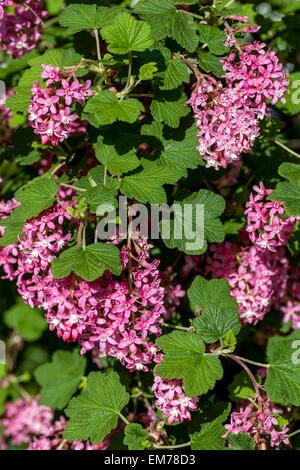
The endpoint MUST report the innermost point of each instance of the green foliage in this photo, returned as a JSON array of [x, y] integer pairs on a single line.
[[176, 24], [89, 263], [288, 192], [95, 412], [219, 311], [210, 435], [283, 379], [147, 185], [27, 321], [185, 232], [184, 358], [79, 17], [106, 108], [169, 107], [127, 34], [139, 138], [60, 378], [135, 437], [241, 441]]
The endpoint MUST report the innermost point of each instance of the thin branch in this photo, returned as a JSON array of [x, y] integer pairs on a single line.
[[186, 444], [259, 364], [175, 327], [251, 376], [292, 152], [97, 44]]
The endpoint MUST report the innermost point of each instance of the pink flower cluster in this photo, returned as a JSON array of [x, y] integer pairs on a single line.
[[227, 122], [53, 440], [27, 422], [266, 225], [23, 418], [129, 311], [9, 253], [21, 31], [50, 110], [254, 276], [259, 423], [112, 317], [5, 118], [228, 116], [3, 4], [171, 398], [288, 301]]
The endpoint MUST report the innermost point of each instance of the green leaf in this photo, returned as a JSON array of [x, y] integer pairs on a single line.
[[241, 441], [176, 24], [176, 74], [79, 17], [230, 340], [213, 37], [107, 108], [127, 34], [169, 107], [289, 194], [283, 380], [219, 311], [116, 162], [210, 435], [100, 195], [290, 171], [147, 185], [215, 292], [96, 411], [20, 100], [215, 323], [184, 358], [13, 226], [196, 221], [175, 147], [89, 263], [241, 387], [27, 321], [292, 105], [57, 57], [135, 435], [147, 71], [37, 195], [60, 378], [210, 63]]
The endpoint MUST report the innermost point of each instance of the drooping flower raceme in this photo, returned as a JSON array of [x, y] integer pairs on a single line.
[[228, 116], [50, 111], [27, 422], [259, 423], [114, 318], [266, 225], [23, 418], [254, 276], [227, 122]]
